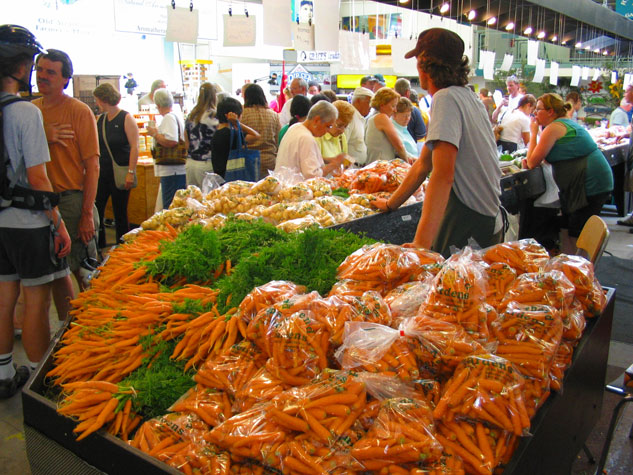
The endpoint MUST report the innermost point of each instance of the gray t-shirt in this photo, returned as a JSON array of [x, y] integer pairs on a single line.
[[460, 118], [25, 143]]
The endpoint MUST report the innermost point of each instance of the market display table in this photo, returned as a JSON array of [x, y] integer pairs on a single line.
[[558, 430], [398, 226]]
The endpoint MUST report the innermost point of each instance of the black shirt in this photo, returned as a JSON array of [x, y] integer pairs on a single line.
[[220, 149]]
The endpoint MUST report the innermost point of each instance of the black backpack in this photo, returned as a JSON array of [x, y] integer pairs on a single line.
[[12, 194]]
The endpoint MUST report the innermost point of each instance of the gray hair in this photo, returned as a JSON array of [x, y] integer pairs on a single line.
[[402, 86], [302, 83], [163, 98], [513, 79], [323, 109], [158, 84]]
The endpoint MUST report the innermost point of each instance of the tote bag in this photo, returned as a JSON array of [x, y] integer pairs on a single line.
[[171, 155], [242, 164]]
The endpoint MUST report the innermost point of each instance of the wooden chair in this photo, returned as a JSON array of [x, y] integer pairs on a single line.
[[593, 239]]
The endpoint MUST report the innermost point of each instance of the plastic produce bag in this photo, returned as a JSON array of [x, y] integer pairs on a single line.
[[295, 193], [181, 196], [500, 277], [378, 349], [485, 388], [298, 224], [210, 182], [529, 336], [261, 387], [541, 288], [580, 273], [320, 186], [526, 255], [211, 405], [269, 185], [266, 295], [402, 432], [405, 300], [336, 208]]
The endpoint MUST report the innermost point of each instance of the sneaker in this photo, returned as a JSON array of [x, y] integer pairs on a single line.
[[628, 221], [8, 387], [17, 332]]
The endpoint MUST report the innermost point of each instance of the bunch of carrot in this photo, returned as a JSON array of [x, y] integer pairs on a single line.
[[231, 370], [485, 388], [97, 403], [403, 432], [525, 255]]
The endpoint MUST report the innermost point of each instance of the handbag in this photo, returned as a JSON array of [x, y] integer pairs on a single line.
[[242, 163], [570, 177], [171, 155], [120, 171], [497, 129]]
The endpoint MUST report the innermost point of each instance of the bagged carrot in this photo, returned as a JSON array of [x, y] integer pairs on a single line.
[[211, 405], [164, 435], [541, 288], [574, 323], [442, 345], [356, 288], [388, 263], [266, 295], [481, 448], [403, 432], [405, 300], [308, 456], [261, 387], [580, 273], [369, 307], [458, 295], [378, 349], [485, 388], [232, 370], [529, 336], [382, 386], [500, 277], [525, 255], [560, 363]]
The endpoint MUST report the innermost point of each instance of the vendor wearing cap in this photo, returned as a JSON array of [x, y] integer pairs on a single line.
[[355, 131], [462, 197]]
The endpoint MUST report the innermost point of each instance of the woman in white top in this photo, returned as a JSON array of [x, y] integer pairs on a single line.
[[170, 130], [382, 138], [516, 125]]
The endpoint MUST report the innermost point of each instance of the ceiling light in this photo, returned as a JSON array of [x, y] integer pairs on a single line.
[[605, 52], [444, 8], [510, 26], [554, 38], [597, 50], [564, 42], [587, 47], [471, 15], [403, 1], [541, 35], [528, 31], [578, 45], [492, 20]]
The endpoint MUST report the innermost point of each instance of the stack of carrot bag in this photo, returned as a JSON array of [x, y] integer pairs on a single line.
[[411, 365]]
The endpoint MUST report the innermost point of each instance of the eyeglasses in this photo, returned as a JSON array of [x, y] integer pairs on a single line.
[[335, 126], [541, 109]]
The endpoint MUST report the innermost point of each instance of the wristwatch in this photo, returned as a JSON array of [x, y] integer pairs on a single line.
[[131, 171]]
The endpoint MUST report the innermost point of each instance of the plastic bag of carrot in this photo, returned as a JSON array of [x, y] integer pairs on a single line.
[[266, 295], [541, 288], [485, 388], [260, 387], [405, 300], [500, 277], [378, 349], [580, 273], [211, 405], [525, 255]]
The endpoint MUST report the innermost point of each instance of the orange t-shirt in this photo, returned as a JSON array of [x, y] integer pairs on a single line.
[[66, 168]]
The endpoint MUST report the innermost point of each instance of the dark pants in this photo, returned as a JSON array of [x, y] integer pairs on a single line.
[[507, 146], [105, 190], [170, 185]]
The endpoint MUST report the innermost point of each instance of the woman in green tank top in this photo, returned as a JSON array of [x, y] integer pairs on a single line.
[[581, 171]]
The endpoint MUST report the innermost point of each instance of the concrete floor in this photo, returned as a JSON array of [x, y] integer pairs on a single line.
[[13, 458]]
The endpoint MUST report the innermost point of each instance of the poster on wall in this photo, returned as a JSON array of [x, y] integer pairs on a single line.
[[379, 27], [624, 8], [304, 37], [182, 25], [239, 30]]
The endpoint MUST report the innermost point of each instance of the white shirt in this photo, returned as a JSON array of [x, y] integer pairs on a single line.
[[514, 124], [169, 128], [300, 151], [355, 133], [284, 115]]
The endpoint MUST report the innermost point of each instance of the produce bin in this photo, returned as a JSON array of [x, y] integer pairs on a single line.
[[559, 429]]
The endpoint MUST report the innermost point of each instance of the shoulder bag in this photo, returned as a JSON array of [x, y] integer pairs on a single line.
[[242, 164], [171, 155], [570, 177], [120, 172]]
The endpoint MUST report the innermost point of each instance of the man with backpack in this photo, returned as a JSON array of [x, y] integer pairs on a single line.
[[33, 237]]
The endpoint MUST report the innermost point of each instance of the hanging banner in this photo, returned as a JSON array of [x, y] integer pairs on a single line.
[[401, 66], [326, 15], [488, 64], [539, 74], [614, 77], [304, 37], [277, 29], [575, 75], [553, 73], [596, 74], [318, 56], [354, 50], [182, 25], [239, 30], [532, 52], [507, 62]]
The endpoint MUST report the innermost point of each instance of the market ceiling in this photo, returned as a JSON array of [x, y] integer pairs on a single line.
[[565, 22]]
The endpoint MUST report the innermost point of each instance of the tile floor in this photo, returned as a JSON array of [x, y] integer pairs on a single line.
[[13, 458]]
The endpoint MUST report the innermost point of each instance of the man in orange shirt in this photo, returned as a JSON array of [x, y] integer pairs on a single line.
[[71, 131]]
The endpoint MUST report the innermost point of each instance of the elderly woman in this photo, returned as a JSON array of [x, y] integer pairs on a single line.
[[299, 150], [168, 133], [400, 121], [581, 171], [258, 116], [118, 141], [515, 125], [334, 142], [381, 137], [200, 127]]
